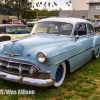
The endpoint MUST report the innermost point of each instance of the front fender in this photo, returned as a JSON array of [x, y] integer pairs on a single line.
[[55, 55]]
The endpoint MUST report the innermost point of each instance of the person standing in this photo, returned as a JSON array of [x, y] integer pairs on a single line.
[[4, 21]]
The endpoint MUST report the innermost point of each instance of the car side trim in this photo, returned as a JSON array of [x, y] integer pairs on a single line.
[[93, 53]]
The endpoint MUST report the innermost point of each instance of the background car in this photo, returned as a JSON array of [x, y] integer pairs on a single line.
[[12, 31], [56, 46], [31, 22], [96, 24], [91, 20], [16, 22]]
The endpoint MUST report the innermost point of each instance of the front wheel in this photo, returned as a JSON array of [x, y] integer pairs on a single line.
[[98, 53], [60, 74]]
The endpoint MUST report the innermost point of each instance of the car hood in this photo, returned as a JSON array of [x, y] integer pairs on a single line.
[[27, 45]]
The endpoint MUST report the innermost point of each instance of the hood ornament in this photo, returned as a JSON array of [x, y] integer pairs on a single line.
[[11, 54]]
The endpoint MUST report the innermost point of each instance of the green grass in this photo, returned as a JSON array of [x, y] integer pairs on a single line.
[[83, 84]]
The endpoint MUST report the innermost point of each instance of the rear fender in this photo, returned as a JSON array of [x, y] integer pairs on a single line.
[[96, 44]]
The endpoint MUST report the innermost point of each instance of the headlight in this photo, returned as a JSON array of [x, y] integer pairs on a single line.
[[42, 57]]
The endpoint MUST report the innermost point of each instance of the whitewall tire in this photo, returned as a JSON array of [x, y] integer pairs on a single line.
[[60, 74], [98, 53]]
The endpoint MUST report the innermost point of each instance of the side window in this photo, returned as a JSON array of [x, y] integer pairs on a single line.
[[10, 30], [66, 29], [80, 29], [90, 29]]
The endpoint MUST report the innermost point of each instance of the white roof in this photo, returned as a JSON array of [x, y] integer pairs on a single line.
[[68, 20]]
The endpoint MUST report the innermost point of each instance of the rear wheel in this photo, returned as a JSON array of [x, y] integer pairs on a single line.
[[60, 74], [98, 53]]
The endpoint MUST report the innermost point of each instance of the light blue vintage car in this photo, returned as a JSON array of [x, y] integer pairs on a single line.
[[55, 46]]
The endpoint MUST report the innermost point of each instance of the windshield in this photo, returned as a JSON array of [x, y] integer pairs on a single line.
[[18, 30], [22, 30], [33, 20], [59, 28], [16, 21]]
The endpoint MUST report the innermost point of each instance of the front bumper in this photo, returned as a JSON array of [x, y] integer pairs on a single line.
[[26, 80]]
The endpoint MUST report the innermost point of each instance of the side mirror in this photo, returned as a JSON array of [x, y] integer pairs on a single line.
[[76, 37]]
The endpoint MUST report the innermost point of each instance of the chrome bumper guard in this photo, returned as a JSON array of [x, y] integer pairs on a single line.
[[26, 80]]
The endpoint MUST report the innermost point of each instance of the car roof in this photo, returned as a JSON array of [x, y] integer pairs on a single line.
[[67, 20], [9, 25]]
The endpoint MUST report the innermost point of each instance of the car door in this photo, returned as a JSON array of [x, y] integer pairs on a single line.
[[83, 46], [91, 34]]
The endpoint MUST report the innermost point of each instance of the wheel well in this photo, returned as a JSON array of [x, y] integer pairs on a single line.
[[67, 66], [4, 38]]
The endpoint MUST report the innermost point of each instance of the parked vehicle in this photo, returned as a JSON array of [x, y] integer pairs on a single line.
[[12, 31], [55, 46], [31, 22], [96, 24], [91, 20], [16, 22]]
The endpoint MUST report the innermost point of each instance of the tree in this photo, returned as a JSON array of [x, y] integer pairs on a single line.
[[45, 2], [52, 7], [45, 12], [55, 4], [33, 6], [29, 14], [49, 5], [60, 9], [68, 3], [41, 4], [37, 4], [14, 7]]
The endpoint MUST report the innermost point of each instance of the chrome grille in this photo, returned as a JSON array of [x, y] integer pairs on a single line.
[[18, 67], [13, 67]]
